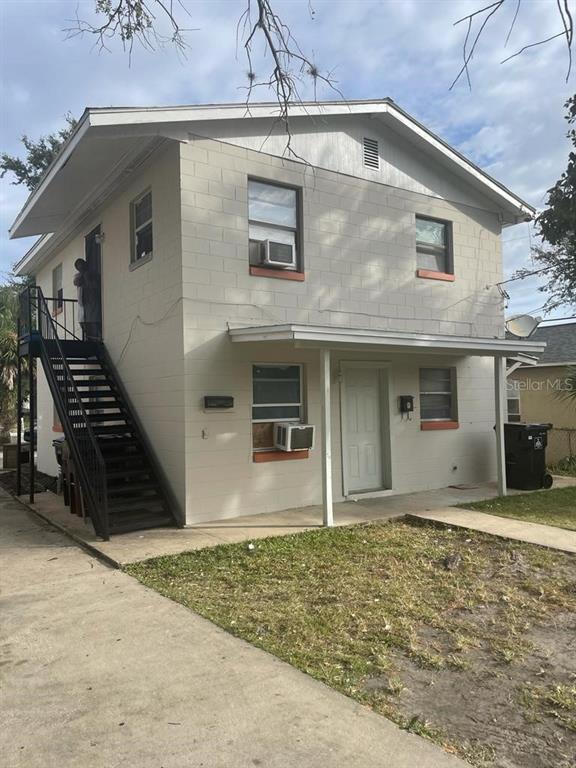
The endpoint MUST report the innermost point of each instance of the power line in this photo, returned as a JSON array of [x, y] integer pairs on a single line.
[[522, 277]]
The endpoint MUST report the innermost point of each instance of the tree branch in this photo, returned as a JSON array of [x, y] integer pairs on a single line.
[[477, 22]]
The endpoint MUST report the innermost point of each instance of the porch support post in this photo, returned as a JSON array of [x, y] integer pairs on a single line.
[[32, 420], [500, 400], [19, 417], [325, 398]]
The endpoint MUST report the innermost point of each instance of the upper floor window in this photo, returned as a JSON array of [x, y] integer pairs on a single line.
[[141, 218], [273, 226], [57, 290], [434, 245], [438, 394]]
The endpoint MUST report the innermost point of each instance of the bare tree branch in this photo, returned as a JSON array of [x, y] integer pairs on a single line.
[[532, 45], [135, 21], [513, 22], [477, 21]]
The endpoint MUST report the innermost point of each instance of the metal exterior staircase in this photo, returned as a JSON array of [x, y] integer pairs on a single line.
[[122, 484]]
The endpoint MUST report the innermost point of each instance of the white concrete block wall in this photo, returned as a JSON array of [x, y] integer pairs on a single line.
[[142, 313], [360, 263], [165, 323]]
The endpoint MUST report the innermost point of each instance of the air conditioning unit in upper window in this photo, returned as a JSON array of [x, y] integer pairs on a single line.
[[289, 436], [278, 255]]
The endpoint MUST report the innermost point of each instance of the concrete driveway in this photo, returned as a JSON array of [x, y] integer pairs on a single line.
[[100, 671]]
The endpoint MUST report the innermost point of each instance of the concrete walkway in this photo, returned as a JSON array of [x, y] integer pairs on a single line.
[[140, 545], [100, 672], [508, 528]]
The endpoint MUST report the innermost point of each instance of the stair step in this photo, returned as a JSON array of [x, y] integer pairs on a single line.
[[131, 488], [124, 472], [99, 405], [120, 430], [88, 372], [114, 443], [81, 359], [94, 386], [104, 417], [101, 397], [140, 522], [119, 506], [123, 454]]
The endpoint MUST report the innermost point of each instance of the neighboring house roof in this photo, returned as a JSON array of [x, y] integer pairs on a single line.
[[109, 143], [560, 343]]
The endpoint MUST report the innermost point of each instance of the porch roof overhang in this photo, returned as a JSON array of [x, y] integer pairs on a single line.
[[398, 341]]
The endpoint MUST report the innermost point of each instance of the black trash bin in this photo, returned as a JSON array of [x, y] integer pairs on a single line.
[[526, 456]]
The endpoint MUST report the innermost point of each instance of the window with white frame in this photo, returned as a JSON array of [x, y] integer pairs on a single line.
[[142, 234], [273, 225], [434, 245], [57, 290], [438, 394], [513, 400], [276, 396]]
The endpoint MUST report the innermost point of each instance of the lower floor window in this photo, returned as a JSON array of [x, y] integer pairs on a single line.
[[438, 394], [276, 396]]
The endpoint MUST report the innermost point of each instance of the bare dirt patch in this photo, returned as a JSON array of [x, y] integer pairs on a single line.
[[484, 702]]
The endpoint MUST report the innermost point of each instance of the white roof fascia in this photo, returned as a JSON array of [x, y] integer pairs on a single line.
[[59, 162], [40, 246], [451, 154], [323, 335], [110, 116]]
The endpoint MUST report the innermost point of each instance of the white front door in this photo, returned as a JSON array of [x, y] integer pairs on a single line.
[[363, 430]]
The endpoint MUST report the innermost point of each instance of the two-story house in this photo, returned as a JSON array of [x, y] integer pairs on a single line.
[[350, 284]]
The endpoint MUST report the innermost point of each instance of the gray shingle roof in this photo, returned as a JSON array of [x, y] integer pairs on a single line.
[[560, 343]]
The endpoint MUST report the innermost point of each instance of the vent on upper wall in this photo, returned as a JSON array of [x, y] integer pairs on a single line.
[[371, 155]]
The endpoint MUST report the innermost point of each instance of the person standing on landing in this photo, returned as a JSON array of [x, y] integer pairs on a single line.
[[88, 285]]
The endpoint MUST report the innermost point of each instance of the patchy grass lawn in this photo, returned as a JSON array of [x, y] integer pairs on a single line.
[[555, 507], [464, 638]]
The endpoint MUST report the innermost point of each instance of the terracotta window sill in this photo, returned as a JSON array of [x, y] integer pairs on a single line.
[[262, 456], [430, 274], [427, 426], [279, 274]]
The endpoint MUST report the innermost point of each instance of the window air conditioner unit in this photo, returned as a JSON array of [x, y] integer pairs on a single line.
[[278, 255], [293, 437]]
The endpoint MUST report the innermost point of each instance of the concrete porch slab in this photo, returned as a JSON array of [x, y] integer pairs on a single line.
[[141, 545]]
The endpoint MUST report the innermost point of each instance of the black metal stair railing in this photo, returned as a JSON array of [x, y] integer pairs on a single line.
[[88, 460]]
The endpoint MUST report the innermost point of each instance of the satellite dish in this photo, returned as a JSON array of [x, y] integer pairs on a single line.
[[522, 326]]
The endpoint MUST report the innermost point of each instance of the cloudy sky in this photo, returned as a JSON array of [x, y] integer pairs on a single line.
[[511, 122]]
